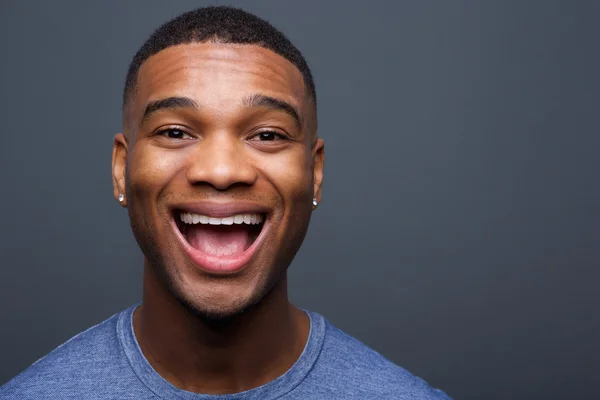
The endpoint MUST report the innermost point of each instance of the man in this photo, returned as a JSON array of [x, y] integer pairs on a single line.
[[220, 167]]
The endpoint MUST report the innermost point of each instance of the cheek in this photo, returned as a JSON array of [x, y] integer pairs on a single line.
[[291, 174], [149, 171]]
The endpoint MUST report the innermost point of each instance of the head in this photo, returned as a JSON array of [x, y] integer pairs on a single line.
[[219, 160]]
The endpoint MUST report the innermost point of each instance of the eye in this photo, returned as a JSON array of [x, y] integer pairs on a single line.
[[174, 133], [268, 136]]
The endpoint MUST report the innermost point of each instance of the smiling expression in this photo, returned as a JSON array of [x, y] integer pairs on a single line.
[[219, 163]]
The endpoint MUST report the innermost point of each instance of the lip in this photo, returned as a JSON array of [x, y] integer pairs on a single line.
[[220, 265], [221, 210]]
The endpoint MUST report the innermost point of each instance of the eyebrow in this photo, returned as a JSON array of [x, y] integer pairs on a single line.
[[168, 103], [260, 100], [255, 100]]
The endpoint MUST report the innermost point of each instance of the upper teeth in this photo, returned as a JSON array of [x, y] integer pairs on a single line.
[[252, 219]]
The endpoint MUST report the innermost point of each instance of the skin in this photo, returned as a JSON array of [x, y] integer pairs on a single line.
[[203, 332]]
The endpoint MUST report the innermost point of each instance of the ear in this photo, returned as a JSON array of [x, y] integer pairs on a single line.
[[318, 154], [119, 163]]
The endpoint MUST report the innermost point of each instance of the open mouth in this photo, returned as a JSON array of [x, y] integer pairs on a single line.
[[220, 237]]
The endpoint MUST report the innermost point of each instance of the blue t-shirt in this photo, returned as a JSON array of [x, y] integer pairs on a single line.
[[105, 362]]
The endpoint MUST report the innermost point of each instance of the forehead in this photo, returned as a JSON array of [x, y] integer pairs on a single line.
[[218, 73]]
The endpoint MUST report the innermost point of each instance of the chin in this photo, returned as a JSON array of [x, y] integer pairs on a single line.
[[219, 308], [220, 299], [214, 313]]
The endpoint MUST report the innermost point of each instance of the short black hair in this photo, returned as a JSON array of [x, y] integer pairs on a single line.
[[218, 24]]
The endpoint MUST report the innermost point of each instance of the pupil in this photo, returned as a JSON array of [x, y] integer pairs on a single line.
[[267, 136], [175, 134]]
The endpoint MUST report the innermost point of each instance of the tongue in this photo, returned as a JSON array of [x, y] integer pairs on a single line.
[[219, 240]]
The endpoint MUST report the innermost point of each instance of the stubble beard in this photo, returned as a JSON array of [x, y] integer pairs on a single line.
[[166, 271]]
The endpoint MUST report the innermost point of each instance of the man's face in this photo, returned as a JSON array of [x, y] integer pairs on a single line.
[[219, 166]]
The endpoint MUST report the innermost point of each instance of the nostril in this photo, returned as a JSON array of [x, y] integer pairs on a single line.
[[222, 169]]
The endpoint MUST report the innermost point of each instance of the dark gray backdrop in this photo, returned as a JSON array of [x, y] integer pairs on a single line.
[[459, 225]]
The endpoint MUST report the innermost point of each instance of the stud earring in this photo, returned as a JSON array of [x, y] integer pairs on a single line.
[[315, 202], [121, 197]]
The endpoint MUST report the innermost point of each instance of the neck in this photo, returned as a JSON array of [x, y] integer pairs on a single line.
[[219, 357]]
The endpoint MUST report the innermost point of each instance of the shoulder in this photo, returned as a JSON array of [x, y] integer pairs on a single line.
[[364, 373], [72, 369]]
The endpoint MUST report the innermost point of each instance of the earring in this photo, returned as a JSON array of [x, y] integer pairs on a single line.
[[121, 197], [315, 202]]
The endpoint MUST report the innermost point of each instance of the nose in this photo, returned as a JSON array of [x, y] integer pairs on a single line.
[[221, 161]]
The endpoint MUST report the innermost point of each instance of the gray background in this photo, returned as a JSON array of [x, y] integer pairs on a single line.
[[459, 225]]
